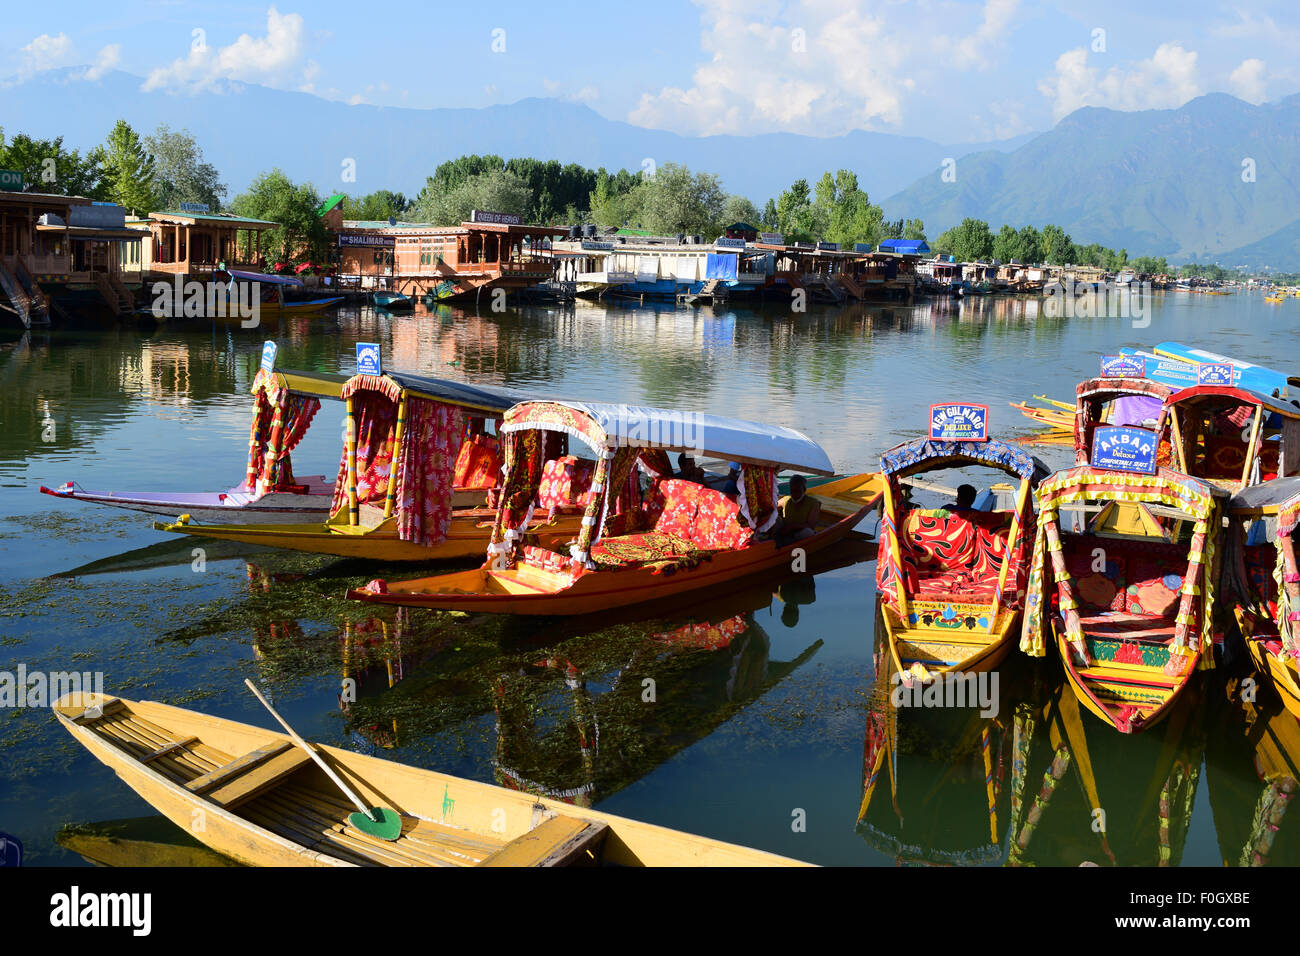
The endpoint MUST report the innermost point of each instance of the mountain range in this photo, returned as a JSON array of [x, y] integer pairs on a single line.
[[1213, 180]]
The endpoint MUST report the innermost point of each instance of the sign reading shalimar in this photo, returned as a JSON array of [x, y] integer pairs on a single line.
[[496, 218], [11, 180], [366, 239], [1124, 448], [959, 422]]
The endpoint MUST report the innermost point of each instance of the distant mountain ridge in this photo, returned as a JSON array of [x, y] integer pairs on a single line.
[[1155, 182], [246, 129]]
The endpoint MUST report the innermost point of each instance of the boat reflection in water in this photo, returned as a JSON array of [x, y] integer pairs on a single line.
[[1082, 795], [935, 779], [139, 841], [1251, 787]]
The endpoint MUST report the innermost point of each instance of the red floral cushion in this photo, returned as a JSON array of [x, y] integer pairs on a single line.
[[1155, 583], [717, 523], [1097, 590], [679, 509], [479, 463], [565, 483], [633, 550], [545, 558]]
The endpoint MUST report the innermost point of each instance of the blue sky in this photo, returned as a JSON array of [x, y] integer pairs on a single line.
[[950, 71]]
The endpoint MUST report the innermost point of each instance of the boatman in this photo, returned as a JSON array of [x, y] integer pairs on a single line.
[[798, 512]]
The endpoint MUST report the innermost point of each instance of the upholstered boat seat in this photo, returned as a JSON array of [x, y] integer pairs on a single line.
[[692, 521], [479, 463], [565, 485], [957, 556]]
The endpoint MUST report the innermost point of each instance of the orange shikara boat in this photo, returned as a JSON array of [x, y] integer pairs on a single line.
[[636, 544]]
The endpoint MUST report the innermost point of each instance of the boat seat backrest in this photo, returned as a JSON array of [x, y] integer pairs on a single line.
[[1137, 577], [706, 518], [565, 484], [969, 540]]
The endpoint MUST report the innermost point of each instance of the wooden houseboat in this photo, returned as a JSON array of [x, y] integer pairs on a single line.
[[196, 245]]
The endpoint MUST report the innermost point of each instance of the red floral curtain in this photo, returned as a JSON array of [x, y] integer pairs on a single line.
[[523, 476], [259, 431], [426, 461], [758, 498]]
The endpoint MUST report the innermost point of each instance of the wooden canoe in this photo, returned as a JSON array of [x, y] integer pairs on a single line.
[[466, 537], [1280, 672], [846, 496], [942, 643], [251, 795], [527, 589]]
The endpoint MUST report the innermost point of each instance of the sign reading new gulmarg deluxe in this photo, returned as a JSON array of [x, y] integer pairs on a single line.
[[959, 422]]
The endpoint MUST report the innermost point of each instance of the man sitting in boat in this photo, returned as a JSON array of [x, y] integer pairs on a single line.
[[688, 470], [965, 499], [798, 512]]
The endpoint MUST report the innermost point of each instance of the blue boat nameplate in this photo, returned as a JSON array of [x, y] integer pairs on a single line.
[[368, 362], [959, 422], [1125, 448]]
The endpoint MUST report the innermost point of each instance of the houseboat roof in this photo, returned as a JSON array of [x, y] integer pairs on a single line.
[[425, 228], [910, 247], [330, 203], [618, 425], [43, 198], [219, 218], [122, 233]]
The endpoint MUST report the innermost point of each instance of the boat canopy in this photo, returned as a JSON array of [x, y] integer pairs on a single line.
[[605, 427], [1167, 487], [1280, 497], [265, 278], [1231, 393], [395, 384], [318, 384], [922, 454], [1137, 400]]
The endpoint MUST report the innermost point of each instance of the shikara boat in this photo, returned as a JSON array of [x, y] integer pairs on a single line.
[[1058, 415], [951, 582], [264, 802], [393, 301], [1233, 437], [1127, 591], [1247, 375], [1262, 580], [1118, 401], [413, 479], [284, 404], [272, 301], [676, 537]]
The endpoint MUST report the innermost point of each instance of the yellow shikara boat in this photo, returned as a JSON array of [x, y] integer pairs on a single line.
[[416, 469], [635, 546], [1127, 593], [1263, 581], [264, 802], [950, 582]]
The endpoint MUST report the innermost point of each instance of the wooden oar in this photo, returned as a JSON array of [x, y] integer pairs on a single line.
[[380, 822]]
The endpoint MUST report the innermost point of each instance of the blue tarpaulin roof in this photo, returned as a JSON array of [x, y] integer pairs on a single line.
[[911, 247]]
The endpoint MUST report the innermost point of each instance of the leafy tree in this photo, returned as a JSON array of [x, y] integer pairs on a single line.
[[378, 206], [498, 190], [180, 174], [914, 229], [794, 212], [300, 234], [1056, 246], [128, 170], [770, 218], [739, 209], [675, 200], [49, 168], [969, 242]]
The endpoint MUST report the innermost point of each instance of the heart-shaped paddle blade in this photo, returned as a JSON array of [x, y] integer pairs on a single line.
[[387, 826]]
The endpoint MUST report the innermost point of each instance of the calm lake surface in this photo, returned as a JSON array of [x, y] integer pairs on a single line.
[[764, 703]]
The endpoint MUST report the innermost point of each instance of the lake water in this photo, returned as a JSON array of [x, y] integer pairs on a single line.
[[763, 708]]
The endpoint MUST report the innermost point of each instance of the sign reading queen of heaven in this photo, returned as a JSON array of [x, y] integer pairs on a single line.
[[368, 362], [1124, 448], [959, 422]]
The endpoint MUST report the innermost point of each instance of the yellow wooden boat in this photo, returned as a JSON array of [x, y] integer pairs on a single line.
[[1127, 593], [950, 582], [255, 797], [380, 514], [1263, 580]]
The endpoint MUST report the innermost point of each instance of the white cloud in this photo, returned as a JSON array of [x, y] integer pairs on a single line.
[[44, 53], [817, 66], [274, 57], [1167, 80], [107, 58], [1248, 81]]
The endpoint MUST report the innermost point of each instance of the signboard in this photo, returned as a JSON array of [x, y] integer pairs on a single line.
[[368, 362], [366, 239], [1122, 366], [959, 422], [828, 247], [1168, 371], [195, 207], [771, 238], [11, 180], [593, 246], [1125, 448], [1214, 373], [268, 357], [722, 242], [497, 218]]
